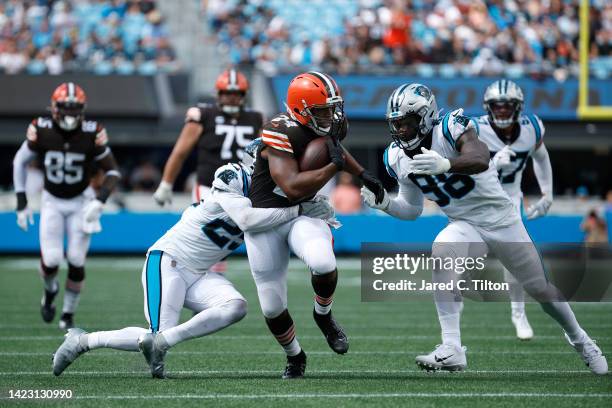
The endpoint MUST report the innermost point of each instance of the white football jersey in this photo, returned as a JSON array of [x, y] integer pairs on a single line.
[[206, 233], [478, 198], [531, 133]]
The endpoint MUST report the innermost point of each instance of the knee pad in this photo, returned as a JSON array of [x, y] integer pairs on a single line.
[[236, 308], [76, 273], [272, 299], [48, 270]]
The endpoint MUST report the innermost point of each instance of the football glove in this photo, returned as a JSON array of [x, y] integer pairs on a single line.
[[430, 163], [336, 152], [370, 199], [502, 159], [318, 207], [92, 211], [540, 208], [25, 218], [374, 185], [163, 194]]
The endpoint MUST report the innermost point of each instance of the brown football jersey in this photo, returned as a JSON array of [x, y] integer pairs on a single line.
[[67, 158]]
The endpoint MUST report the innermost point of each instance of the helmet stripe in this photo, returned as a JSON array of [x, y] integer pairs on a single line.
[[397, 98], [232, 77], [329, 86], [71, 93]]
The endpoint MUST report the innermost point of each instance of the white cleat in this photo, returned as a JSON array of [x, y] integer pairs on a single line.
[[591, 355], [69, 350], [445, 357], [153, 347], [522, 326]]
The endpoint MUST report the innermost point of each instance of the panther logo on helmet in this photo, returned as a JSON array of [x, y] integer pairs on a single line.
[[68, 103], [232, 87], [314, 100]]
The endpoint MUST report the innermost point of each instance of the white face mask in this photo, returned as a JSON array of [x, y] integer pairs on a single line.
[[230, 109], [69, 122]]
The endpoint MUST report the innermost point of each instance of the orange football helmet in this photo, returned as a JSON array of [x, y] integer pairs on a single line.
[[314, 100], [232, 87], [68, 103]]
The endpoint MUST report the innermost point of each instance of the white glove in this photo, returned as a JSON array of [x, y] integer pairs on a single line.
[[540, 208], [92, 211], [370, 199], [430, 163], [502, 159], [25, 217], [163, 194], [318, 207], [92, 227]]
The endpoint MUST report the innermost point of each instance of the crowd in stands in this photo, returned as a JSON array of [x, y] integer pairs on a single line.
[[444, 37], [100, 36]]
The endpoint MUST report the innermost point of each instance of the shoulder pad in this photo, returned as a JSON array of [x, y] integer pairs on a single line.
[[44, 122], [32, 133], [232, 178], [538, 126], [89, 126], [455, 124], [276, 133]]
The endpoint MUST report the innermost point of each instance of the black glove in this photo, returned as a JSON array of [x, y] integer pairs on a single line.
[[339, 128], [374, 185], [336, 152]]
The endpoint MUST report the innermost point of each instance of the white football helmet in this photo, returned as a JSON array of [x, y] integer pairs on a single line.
[[503, 97], [412, 112]]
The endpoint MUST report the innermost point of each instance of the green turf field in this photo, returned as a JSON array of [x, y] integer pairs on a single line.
[[241, 366]]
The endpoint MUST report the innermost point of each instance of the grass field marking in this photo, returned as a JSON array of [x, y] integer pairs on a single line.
[[113, 353], [348, 395], [252, 372]]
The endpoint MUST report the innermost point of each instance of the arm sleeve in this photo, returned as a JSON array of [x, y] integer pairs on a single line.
[[101, 149], [249, 219], [22, 158], [408, 204], [543, 170]]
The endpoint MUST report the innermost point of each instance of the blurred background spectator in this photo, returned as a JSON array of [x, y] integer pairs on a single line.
[[346, 197], [595, 228], [56, 36], [446, 37]]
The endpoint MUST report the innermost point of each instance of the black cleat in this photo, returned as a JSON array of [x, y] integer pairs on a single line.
[[66, 321], [296, 366], [47, 308], [334, 334]]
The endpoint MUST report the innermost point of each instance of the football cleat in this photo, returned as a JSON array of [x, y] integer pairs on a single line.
[[445, 357], [47, 308], [73, 346], [296, 366], [334, 334], [591, 355], [522, 326], [154, 347], [66, 322]]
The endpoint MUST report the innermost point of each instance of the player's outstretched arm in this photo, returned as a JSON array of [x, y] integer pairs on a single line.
[[111, 177], [543, 172], [22, 158], [295, 184], [407, 205], [473, 155], [240, 209], [184, 145]]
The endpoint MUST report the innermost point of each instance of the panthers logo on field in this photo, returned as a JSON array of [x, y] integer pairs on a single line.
[[422, 91], [227, 176]]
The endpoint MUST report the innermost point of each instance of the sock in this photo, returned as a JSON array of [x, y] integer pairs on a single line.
[[563, 314], [206, 322], [324, 287], [450, 326], [516, 293], [283, 329], [125, 339], [49, 277], [71, 301]]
